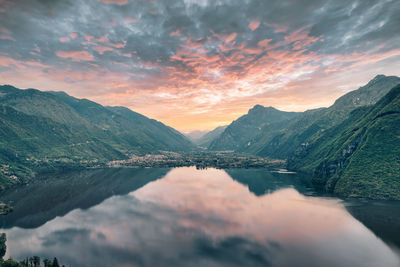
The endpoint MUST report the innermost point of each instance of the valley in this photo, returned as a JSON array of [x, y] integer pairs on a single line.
[[199, 133], [335, 145]]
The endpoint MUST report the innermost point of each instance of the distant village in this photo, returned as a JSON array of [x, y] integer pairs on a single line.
[[202, 160]]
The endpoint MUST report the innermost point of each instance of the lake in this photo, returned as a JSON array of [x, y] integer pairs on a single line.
[[190, 217]]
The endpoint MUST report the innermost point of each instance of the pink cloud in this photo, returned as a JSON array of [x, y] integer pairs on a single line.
[[230, 37], [36, 64], [6, 61], [130, 20], [300, 39], [89, 37], [118, 2], [4, 30], [175, 33], [102, 49], [5, 34], [6, 37], [73, 35], [64, 39], [117, 45], [102, 39], [200, 89], [75, 55], [279, 27], [254, 25]]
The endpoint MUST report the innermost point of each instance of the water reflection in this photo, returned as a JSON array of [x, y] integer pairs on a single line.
[[260, 181], [57, 194], [204, 218], [382, 217]]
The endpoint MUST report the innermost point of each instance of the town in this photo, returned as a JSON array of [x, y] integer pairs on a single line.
[[202, 160]]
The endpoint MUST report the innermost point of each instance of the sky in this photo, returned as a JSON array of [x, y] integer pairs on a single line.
[[199, 64]]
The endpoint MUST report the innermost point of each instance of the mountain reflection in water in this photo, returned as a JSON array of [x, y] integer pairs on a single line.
[[207, 218]]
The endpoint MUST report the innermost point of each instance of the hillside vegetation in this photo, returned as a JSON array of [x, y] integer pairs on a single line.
[[351, 148], [43, 130], [279, 137], [238, 135], [361, 156], [209, 137]]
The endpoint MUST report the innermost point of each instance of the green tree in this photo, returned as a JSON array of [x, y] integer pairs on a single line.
[[11, 263], [47, 263], [36, 261], [55, 263], [3, 246]]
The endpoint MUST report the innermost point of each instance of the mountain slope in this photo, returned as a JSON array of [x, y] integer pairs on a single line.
[[286, 138], [361, 156], [121, 127], [209, 137], [239, 132], [43, 129], [195, 135], [155, 135]]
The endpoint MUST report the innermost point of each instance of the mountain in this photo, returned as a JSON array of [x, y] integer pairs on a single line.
[[361, 156], [209, 137], [43, 129], [312, 123], [282, 138], [239, 133], [195, 135]]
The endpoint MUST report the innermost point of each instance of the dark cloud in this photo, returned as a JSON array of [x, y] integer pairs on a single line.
[[344, 27], [183, 49]]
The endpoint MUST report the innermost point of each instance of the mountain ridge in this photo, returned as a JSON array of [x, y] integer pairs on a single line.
[[43, 129], [241, 130], [361, 156], [281, 139], [210, 136]]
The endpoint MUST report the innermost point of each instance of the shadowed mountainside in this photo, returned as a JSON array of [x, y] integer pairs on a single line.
[[265, 134], [361, 156], [209, 137], [239, 133], [49, 129]]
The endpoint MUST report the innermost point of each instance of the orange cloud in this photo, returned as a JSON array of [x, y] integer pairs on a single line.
[[75, 55], [117, 45], [64, 39], [254, 25], [118, 2], [102, 49], [300, 39], [211, 81], [130, 20], [6, 61]]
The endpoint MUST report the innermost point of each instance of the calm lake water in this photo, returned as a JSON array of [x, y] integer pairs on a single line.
[[189, 217]]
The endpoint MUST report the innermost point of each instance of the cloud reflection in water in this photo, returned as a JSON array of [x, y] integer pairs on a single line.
[[204, 218]]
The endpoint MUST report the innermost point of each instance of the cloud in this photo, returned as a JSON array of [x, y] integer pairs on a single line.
[[76, 55], [117, 2], [102, 49], [254, 25], [198, 51]]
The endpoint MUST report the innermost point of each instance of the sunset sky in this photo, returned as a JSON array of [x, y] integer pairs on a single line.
[[198, 64]]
